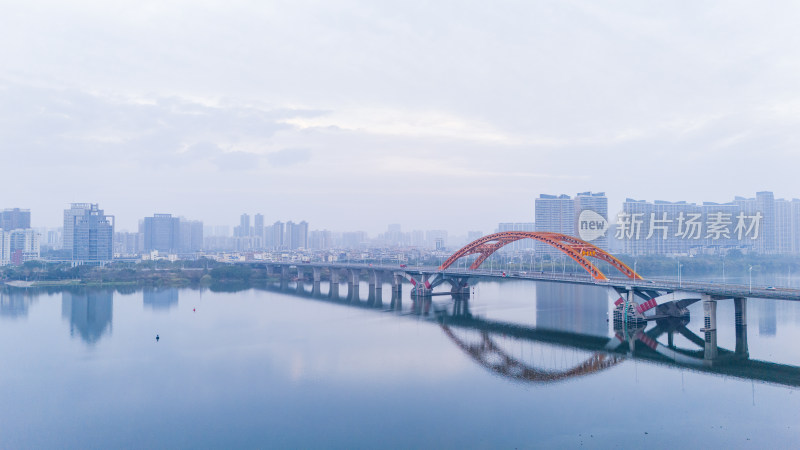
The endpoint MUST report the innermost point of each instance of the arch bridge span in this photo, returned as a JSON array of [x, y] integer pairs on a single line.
[[580, 251]]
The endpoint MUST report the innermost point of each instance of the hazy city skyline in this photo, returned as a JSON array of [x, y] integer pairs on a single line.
[[231, 225], [339, 116]]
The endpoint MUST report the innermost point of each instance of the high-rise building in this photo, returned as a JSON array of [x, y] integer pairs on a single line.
[[190, 236], [795, 226], [54, 239], [24, 245], [70, 215], [162, 233], [436, 239], [296, 235], [765, 204], [278, 235], [594, 202], [89, 232], [5, 247], [522, 244], [320, 240], [244, 226], [354, 239], [418, 238], [759, 224], [126, 243], [634, 233], [302, 235], [783, 227], [13, 219], [258, 226], [554, 214], [394, 236]]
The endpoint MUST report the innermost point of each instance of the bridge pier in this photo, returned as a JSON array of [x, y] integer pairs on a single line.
[[397, 292], [710, 329], [334, 290], [353, 280], [740, 308], [631, 316], [460, 288], [317, 277], [397, 285], [396, 302], [375, 288]]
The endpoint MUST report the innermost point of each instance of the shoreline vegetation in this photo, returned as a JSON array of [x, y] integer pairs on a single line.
[[206, 271], [143, 274]]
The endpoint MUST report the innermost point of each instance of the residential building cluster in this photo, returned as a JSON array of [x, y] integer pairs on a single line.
[[563, 214], [18, 241], [760, 225]]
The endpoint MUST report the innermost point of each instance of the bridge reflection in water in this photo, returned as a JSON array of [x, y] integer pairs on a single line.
[[488, 342]]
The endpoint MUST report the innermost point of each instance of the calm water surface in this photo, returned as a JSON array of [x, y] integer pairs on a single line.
[[521, 365]]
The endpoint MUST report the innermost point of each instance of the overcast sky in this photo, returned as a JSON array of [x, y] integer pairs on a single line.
[[353, 115]]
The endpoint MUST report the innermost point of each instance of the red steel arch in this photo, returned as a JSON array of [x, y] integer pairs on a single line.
[[578, 250]]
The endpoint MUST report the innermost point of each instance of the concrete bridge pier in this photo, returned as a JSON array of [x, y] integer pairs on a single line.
[[460, 288], [317, 276], [334, 290], [740, 309], [284, 277], [375, 288], [710, 328], [420, 290], [397, 292], [300, 281], [353, 279], [396, 302], [623, 318]]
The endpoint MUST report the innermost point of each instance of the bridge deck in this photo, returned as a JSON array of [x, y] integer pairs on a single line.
[[723, 290]]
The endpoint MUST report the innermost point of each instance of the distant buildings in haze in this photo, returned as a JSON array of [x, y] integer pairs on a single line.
[[760, 224], [18, 241], [562, 214]]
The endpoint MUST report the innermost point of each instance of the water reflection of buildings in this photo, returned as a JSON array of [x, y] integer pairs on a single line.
[[14, 303], [555, 349], [160, 299], [89, 313], [767, 318], [571, 307]]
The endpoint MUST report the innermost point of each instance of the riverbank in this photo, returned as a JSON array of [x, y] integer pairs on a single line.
[[39, 274]]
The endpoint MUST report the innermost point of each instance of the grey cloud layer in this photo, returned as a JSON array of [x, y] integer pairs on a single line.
[[311, 108]]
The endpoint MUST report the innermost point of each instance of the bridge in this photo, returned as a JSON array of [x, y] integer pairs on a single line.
[[481, 340], [638, 300]]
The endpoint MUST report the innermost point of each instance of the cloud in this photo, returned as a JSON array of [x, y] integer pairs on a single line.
[[65, 127], [465, 105], [236, 161], [289, 157]]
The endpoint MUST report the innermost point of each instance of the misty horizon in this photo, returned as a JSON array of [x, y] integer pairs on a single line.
[[337, 114]]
